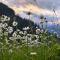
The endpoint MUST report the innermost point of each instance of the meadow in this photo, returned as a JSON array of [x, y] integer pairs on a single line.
[[24, 46]]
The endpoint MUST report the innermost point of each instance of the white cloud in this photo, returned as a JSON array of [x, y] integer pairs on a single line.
[[37, 6]]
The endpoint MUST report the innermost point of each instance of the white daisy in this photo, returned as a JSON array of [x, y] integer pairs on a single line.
[[18, 36], [26, 28], [5, 25], [18, 30], [8, 19], [15, 23], [10, 29], [21, 32], [11, 38], [1, 25], [25, 32], [5, 18], [37, 31], [14, 34]]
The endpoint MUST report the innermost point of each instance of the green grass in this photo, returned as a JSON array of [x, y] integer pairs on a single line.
[[23, 53], [45, 51]]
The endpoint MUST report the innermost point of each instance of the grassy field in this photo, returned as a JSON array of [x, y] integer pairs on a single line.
[[23, 46], [46, 50]]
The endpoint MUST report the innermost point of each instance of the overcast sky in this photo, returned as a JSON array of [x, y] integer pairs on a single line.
[[39, 6], [44, 7]]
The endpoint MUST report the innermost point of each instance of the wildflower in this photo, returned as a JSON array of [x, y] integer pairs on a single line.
[[18, 30], [6, 29], [42, 31], [5, 18], [11, 38], [21, 32], [25, 32], [5, 24], [10, 50], [1, 25], [2, 19], [8, 19], [36, 27], [26, 28], [37, 36], [36, 40], [29, 38], [18, 36], [37, 31], [29, 35], [10, 29], [14, 34], [15, 23]]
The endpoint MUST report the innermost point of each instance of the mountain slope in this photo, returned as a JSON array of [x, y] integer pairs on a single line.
[[5, 10]]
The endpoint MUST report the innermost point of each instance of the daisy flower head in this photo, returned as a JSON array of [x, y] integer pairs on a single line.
[[10, 29], [15, 23]]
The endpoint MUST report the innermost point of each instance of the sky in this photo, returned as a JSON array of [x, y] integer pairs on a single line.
[[44, 7]]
